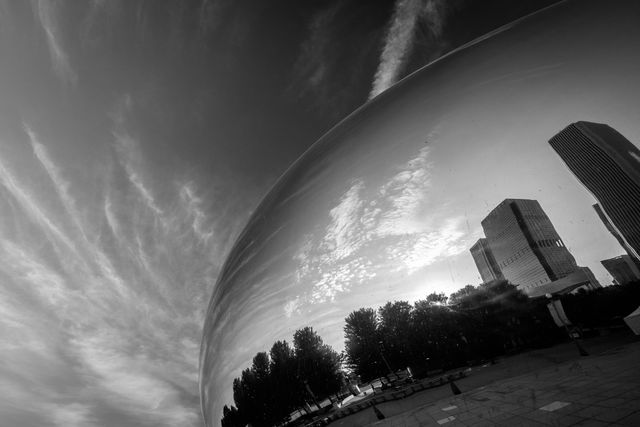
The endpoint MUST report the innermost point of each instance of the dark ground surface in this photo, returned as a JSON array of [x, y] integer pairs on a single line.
[[599, 389]]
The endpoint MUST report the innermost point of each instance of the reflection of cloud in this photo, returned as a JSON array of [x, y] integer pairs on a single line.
[[291, 307], [373, 231], [424, 248], [342, 237], [339, 279], [401, 197]]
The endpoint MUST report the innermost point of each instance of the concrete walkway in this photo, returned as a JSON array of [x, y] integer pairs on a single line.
[[591, 391]]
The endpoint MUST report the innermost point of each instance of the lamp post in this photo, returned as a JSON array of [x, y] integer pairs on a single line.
[[426, 363], [384, 359]]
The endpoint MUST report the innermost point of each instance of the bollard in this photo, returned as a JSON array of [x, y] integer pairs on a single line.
[[379, 414], [581, 349], [454, 388]]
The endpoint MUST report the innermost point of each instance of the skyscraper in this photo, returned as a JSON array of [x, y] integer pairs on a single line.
[[622, 268], [527, 249], [608, 165], [485, 261], [614, 231]]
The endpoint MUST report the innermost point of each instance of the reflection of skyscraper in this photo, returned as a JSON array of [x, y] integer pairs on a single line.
[[485, 261], [526, 246], [614, 231], [609, 166], [622, 268]]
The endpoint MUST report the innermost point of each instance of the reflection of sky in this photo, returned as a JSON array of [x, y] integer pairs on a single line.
[[392, 206]]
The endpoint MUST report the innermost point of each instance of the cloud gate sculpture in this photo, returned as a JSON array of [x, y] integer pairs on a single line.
[[513, 159]]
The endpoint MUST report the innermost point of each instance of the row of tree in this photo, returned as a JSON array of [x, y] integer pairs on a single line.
[[284, 380], [603, 306], [475, 323], [478, 323]]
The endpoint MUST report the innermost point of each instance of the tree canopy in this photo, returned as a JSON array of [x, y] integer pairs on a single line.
[[475, 323], [479, 323], [282, 380]]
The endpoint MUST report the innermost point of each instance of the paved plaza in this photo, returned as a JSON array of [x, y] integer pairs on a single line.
[[597, 390]]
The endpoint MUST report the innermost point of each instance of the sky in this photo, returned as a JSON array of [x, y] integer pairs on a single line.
[[137, 138], [386, 206]]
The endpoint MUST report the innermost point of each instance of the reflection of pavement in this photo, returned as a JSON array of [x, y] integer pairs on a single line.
[[590, 391]]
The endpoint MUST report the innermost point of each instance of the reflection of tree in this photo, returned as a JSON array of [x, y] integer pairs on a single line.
[[251, 392], [285, 382], [603, 306], [435, 331], [437, 298], [480, 323], [361, 344], [279, 382], [395, 333], [319, 364], [455, 297]]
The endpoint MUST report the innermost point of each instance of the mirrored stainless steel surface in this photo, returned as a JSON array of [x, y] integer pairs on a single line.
[[389, 204]]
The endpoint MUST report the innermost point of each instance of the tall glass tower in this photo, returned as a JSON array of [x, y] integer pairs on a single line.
[[526, 246], [608, 165], [485, 261]]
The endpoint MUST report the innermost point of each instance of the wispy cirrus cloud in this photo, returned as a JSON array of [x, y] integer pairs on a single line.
[[61, 185], [315, 58], [210, 15], [102, 296], [72, 415], [194, 210], [328, 72], [46, 14], [401, 36], [342, 236], [130, 157], [374, 231], [35, 211], [137, 382]]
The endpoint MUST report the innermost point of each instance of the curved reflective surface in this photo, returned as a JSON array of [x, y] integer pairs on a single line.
[[421, 190]]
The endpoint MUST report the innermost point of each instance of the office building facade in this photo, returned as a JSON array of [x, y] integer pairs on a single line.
[[616, 233], [608, 165], [526, 246], [622, 268], [485, 261]]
